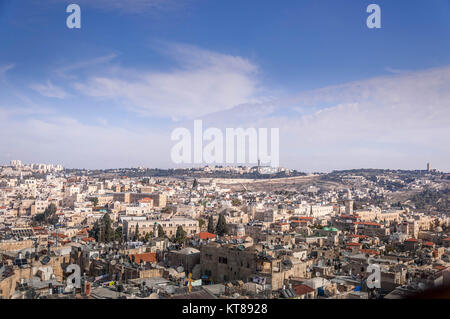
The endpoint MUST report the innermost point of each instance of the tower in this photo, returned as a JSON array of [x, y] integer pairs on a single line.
[[155, 230], [348, 203], [428, 167]]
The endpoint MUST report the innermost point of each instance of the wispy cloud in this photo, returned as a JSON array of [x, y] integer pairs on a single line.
[[395, 71], [397, 121], [65, 140], [49, 90], [203, 83], [4, 69], [68, 71], [128, 6]]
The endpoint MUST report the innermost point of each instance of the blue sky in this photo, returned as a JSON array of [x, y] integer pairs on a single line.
[[110, 93]]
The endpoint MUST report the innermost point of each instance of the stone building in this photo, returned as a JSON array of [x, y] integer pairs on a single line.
[[234, 262], [186, 258]]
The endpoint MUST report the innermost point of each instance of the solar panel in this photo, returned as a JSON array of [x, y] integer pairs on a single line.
[[45, 260]]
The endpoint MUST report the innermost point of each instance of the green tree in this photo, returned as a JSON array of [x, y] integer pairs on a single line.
[[94, 201], [180, 236], [48, 216], [221, 228], [136, 233], [201, 222], [118, 234], [107, 227], [195, 184], [103, 231], [161, 233], [236, 202], [211, 228]]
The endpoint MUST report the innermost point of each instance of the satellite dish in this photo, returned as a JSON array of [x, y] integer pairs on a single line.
[[113, 262], [170, 289], [180, 269], [45, 260], [94, 256]]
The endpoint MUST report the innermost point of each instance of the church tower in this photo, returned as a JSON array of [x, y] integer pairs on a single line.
[[348, 203]]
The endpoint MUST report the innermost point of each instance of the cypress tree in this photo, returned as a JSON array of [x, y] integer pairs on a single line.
[[211, 225], [221, 228]]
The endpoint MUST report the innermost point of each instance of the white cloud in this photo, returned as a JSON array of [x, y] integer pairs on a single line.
[[205, 82], [129, 6], [4, 69], [49, 90], [75, 144], [398, 121], [67, 71]]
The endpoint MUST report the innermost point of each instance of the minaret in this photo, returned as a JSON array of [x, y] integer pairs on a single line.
[[155, 230], [348, 203]]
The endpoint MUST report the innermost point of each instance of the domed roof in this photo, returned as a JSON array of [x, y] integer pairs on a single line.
[[326, 229]]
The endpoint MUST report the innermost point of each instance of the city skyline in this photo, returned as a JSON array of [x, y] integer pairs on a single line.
[[18, 163], [109, 94]]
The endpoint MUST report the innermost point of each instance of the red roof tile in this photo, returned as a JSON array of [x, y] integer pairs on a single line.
[[147, 257], [59, 235], [354, 244], [370, 251], [302, 289], [206, 235], [357, 236], [349, 216]]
